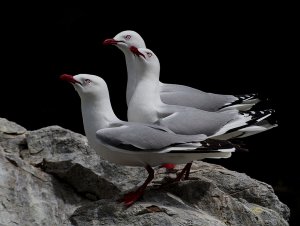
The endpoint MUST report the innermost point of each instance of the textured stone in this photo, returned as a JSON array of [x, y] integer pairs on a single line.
[[239, 185], [29, 196], [50, 176], [62, 152], [167, 211]]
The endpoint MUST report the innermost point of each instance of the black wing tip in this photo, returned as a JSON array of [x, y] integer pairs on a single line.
[[247, 96], [253, 96], [211, 146], [267, 115], [258, 114], [242, 98], [257, 118], [217, 144], [272, 119], [239, 145]]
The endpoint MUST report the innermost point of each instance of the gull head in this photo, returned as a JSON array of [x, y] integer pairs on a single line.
[[147, 60], [87, 85], [145, 56], [126, 39]]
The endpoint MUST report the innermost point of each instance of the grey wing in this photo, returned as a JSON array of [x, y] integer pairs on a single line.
[[167, 87], [142, 137], [196, 122], [187, 96], [158, 127]]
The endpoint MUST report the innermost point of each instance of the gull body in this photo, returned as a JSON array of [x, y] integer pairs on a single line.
[[175, 94], [146, 106], [135, 144]]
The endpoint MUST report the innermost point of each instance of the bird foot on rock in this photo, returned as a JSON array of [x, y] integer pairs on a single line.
[[185, 172], [131, 197]]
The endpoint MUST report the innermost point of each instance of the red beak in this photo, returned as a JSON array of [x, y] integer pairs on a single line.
[[135, 51], [110, 41], [69, 78]]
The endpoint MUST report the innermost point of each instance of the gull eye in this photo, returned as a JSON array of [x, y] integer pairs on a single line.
[[127, 37], [149, 54], [87, 81]]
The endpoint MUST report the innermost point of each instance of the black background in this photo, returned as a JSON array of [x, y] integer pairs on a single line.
[[216, 49]]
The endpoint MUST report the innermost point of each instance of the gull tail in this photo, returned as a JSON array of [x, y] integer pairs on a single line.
[[243, 102], [209, 145], [216, 149], [209, 148], [248, 124], [258, 128]]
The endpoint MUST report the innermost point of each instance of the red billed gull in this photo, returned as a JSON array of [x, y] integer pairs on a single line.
[[124, 41], [172, 93], [146, 106], [137, 144]]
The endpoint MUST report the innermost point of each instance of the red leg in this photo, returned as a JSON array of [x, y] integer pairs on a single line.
[[132, 197], [187, 172]]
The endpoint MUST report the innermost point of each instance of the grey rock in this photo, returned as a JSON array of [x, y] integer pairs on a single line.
[[62, 152], [10, 128], [239, 185], [205, 195], [29, 196], [12, 136], [82, 179], [168, 212], [50, 176]]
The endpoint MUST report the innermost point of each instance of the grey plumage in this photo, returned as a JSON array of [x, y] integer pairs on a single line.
[[143, 137]]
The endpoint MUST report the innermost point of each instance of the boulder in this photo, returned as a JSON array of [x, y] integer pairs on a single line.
[[51, 176]]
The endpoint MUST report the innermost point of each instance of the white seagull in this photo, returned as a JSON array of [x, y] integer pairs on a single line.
[[172, 93], [145, 106], [137, 144]]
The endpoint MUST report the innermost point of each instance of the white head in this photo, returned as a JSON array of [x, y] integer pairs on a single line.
[[87, 86], [147, 60], [126, 39]]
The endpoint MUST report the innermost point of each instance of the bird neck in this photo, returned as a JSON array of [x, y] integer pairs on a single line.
[[148, 88], [97, 113], [145, 101], [131, 76]]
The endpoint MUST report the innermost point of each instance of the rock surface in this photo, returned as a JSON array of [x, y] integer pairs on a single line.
[[51, 177]]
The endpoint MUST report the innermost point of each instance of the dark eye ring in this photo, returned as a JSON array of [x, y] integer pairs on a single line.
[[149, 54], [127, 37]]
